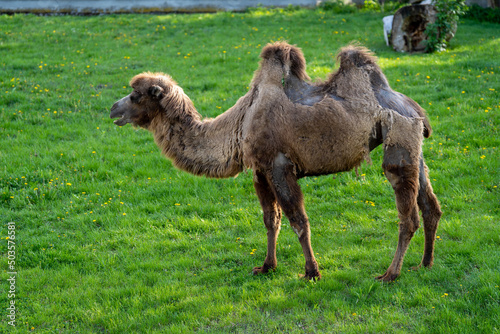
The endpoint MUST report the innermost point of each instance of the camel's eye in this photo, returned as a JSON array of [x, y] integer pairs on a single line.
[[135, 96]]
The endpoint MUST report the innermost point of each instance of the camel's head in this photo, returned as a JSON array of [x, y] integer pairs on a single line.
[[280, 60], [150, 90]]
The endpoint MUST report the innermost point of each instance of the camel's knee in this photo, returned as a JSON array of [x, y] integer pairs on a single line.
[[268, 202], [392, 178], [285, 184], [412, 221], [272, 219], [300, 225], [431, 210], [299, 230], [282, 167], [434, 210]]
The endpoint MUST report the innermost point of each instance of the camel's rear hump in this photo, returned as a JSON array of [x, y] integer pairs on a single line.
[[355, 55], [360, 57]]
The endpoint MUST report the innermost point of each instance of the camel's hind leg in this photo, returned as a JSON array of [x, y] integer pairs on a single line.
[[272, 220], [289, 195], [403, 175], [431, 213]]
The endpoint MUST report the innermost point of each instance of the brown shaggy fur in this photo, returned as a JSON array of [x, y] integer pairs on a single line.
[[286, 128]]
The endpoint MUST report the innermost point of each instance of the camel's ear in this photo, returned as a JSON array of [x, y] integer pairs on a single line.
[[155, 91]]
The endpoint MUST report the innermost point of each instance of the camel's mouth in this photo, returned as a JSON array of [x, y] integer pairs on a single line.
[[121, 121], [117, 111]]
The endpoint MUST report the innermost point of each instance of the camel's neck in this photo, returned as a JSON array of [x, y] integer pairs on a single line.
[[208, 147]]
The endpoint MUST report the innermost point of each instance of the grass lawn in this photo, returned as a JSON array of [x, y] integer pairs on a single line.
[[110, 238]]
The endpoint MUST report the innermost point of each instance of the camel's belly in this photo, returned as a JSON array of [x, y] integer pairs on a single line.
[[328, 157], [330, 146]]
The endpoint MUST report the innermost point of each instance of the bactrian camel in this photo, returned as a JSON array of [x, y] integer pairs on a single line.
[[286, 128]]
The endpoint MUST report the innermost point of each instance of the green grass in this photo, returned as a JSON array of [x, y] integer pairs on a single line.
[[111, 238]]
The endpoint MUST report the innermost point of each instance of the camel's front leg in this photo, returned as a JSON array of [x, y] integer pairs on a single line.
[[272, 220], [406, 231], [290, 198]]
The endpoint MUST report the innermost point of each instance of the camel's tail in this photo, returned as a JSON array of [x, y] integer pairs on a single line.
[[290, 56], [360, 57]]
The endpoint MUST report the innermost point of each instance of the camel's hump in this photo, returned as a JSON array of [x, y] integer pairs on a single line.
[[289, 55], [356, 55]]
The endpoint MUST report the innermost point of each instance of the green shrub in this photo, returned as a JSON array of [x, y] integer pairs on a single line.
[[371, 5], [481, 14], [448, 12], [338, 7], [392, 6]]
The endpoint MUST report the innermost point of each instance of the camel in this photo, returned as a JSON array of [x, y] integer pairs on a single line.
[[285, 128]]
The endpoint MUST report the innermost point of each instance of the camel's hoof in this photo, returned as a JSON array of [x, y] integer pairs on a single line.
[[387, 277], [427, 265], [311, 276], [262, 270]]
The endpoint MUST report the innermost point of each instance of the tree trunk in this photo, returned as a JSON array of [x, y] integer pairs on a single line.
[[408, 27]]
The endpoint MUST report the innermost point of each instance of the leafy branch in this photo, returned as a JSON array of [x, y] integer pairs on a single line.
[[448, 12]]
